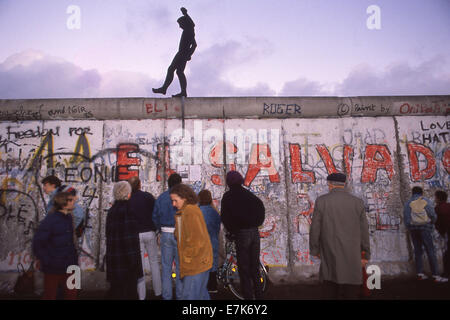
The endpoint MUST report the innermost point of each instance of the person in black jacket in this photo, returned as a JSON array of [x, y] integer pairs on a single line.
[[242, 214], [141, 206], [54, 247], [123, 254]]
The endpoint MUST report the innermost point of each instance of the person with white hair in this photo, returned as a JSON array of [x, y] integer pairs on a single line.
[[123, 254]]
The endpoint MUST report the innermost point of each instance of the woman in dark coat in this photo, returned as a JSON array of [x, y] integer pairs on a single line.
[[54, 247], [123, 260]]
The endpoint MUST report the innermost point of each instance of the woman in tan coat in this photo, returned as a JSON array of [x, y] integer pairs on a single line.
[[194, 245]]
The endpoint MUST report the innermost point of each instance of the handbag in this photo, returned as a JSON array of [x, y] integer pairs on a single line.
[[25, 281]]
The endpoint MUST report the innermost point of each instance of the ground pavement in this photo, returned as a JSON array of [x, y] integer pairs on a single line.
[[392, 289]]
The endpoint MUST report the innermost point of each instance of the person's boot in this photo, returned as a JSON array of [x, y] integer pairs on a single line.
[[161, 90], [212, 282], [181, 94]]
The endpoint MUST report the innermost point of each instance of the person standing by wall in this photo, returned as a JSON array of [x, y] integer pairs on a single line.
[[123, 254], [194, 245], [77, 212], [242, 214], [339, 234], [442, 210], [419, 218], [212, 220], [141, 206], [50, 186], [164, 220], [54, 247]]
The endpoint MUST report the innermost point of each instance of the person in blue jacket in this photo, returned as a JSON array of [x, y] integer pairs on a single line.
[[164, 220], [419, 218], [212, 220], [54, 247]]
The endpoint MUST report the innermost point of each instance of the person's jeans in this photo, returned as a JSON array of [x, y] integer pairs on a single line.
[[247, 254], [195, 287], [148, 244], [423, 238], [169, 255]]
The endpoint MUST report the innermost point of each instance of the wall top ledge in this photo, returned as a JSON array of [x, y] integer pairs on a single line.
[[222, 108]]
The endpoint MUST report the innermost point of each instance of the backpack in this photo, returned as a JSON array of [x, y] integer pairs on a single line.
[[419, 215]]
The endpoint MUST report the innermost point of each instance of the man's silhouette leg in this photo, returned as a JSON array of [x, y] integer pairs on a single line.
[[167, 82], [182, 79], [169, 77]]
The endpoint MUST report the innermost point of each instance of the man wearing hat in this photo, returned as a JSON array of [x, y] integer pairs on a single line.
[[242, 214], [339, 236]]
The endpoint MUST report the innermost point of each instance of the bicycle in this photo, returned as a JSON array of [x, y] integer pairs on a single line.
[[228, 274]]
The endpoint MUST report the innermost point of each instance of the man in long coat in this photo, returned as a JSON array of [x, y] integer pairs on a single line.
[[339, 236]]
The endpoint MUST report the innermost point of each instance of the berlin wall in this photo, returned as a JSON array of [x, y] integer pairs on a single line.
[[284, 147]]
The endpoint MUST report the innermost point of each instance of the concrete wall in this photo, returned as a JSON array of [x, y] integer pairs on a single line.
[[285, 161]]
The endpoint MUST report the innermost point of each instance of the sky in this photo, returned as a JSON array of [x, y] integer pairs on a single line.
[[122, 48]]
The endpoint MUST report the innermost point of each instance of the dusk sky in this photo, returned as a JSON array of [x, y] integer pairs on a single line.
[[122, 48]]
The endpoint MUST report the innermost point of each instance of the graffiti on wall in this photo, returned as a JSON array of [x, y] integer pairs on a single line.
[[284, 162]]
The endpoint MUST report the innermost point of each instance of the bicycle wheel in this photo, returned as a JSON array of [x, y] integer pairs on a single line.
[[234, 283]]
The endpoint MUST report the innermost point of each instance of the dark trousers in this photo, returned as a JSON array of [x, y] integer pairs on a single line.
[[54, 281], [423, 238], [446, 257], [178, 64], [335, 291], [247, 254]]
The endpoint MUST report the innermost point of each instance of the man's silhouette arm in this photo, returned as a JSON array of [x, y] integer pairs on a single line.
[[184, 12], [192, 48]]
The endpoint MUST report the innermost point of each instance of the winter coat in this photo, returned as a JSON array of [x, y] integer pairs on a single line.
[[429, 210], [141, 205], [53, 243], [194, 246], [212, 220], [241, 209], [123, 254], [443, 218], [339, 233]]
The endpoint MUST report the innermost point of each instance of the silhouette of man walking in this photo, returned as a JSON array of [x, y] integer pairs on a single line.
[[186, 49]]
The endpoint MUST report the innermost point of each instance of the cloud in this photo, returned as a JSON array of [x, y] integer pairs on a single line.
[[427, 78], [304, 87], [209, 69], [145, 16], [32, 74], [400, 78]]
